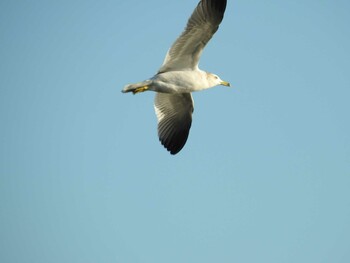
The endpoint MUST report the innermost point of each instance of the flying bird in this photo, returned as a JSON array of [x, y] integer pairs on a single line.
[[179, 76]]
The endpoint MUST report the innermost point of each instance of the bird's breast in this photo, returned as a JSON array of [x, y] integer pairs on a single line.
[[180, 81]]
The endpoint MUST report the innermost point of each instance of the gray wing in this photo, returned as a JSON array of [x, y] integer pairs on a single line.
[[201, 26], [174, 114]]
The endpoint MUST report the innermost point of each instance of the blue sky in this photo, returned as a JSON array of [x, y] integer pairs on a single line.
[[264, 176]]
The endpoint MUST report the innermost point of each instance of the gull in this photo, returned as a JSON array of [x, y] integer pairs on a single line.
[[179, 75]]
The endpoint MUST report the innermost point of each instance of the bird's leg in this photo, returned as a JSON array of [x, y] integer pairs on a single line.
[[140, 89]]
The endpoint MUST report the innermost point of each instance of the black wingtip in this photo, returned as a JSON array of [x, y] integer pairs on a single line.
[[217, 6], [176, 142]]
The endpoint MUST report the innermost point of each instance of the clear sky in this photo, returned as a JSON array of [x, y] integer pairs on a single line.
[[264, 176]]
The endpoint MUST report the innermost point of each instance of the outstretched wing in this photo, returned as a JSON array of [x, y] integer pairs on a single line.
[[201, 26], [174, 114]]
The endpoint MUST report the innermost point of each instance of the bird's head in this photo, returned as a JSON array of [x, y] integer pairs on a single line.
[[214, 80]]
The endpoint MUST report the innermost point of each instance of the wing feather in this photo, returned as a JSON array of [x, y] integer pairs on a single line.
[[174, 114], [201, 26]]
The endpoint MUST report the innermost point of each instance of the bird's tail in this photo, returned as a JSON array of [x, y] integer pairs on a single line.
[[137, 87]]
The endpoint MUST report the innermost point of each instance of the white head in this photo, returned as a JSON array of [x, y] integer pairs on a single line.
[[214, 80]]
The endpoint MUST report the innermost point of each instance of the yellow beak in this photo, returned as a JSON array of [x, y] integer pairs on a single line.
[[225, 83]]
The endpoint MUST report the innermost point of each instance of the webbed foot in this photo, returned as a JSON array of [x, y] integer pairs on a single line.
[[140, 89]]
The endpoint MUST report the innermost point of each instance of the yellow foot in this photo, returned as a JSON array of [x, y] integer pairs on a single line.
[[140, 89]]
